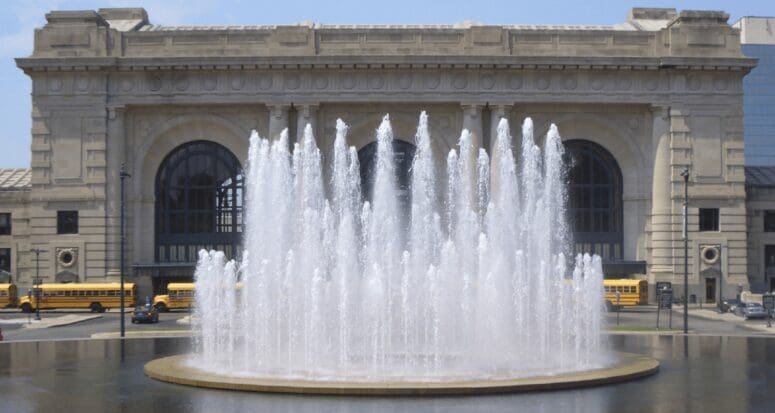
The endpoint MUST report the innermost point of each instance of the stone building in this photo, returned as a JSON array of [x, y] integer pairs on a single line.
[[635, 102]]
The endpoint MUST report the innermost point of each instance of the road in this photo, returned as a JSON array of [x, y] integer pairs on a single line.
[[646, 317], [109, 322], [638, 318]]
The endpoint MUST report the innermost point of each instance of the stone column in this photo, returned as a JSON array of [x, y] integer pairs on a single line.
[[116, 141], [661, 225], [278, 120], [307, 114]]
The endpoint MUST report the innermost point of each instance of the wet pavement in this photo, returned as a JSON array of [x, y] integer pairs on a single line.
[[698, 374]]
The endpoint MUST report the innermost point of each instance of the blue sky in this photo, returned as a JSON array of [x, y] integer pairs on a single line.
[[20, 17]]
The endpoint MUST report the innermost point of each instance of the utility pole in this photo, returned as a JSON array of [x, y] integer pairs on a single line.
[[685, 175], [36, 288], [122, 175]]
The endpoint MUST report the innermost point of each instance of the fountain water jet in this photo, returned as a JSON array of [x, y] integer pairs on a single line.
[[469, 283]]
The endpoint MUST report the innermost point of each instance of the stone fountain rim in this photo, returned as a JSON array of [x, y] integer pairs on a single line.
[[628, 366]]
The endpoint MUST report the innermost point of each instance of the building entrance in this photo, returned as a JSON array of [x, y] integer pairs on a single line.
[[710, 290]]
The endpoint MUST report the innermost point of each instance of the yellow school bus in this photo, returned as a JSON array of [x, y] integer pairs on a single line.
[[95, 296], [179, 296], [8, 296], [631, 292]]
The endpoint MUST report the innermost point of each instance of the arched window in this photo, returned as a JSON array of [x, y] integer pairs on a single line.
[[198, 202], [594, 200], [403, 155]]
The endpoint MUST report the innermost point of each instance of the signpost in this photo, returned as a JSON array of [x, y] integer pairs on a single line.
[[665, 301], [768, 301]]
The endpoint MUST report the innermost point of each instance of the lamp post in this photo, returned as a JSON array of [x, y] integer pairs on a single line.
[[122, 175], [36, 288], [685, 175]]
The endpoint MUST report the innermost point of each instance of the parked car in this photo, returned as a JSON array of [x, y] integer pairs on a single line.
[[754, 310], [739, 309], [729, 305], [145, 314]]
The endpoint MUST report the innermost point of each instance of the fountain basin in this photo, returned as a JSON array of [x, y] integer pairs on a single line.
[[176, 369]]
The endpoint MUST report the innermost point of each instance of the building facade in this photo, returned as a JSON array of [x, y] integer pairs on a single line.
[[636, 104]]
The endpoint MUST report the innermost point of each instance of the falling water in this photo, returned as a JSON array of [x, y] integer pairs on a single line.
[[470, 281]]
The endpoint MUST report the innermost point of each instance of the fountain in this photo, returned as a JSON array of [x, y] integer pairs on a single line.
[[465, 287]]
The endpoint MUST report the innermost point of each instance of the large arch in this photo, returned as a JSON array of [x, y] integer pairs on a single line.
[[403, 155], [199, 201], [595, 207], [148, 155]]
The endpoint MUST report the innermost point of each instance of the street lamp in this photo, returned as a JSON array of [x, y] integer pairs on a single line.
[[122, 175], [36, 288], [685, 175]]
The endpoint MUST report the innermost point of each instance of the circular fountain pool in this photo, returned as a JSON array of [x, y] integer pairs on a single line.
[[358, 276], [178, 370]]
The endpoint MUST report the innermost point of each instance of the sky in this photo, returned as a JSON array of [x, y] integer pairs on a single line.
[[21, 17]]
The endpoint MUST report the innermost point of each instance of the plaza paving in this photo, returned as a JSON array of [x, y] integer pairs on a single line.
[[697, 373]]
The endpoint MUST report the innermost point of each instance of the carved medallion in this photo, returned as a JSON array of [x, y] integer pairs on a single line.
[[181, 82], [651, 83], [264, 81], [625, 83], [82, 83], [432, 80], [720, 84], [597, 82], [320, 81], [515, 82], [376, 81], [569, 82], [127, 84], [54, 84], [237, 81], [542, 82], [348, 81], [487, 81], [694, 83], [292, 81], [460, 81], [405, 81], [210, 82], [154, 82]]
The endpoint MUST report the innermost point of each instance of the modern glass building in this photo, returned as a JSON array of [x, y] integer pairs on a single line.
[[757, 36]]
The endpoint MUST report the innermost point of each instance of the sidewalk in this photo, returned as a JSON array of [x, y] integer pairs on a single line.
[[728, 317], [145, 334], [48, 322]]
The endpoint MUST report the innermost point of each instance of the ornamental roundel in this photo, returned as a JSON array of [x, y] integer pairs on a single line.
[[597, 82], [154, 82], [82, 83], [569, 82], [237, 81], [54, 84], [292, 81], [320, 81], [376, 81], [348, 81], [460, 81], [542, 82], [694, 83], [432, 80], [515, 82], [210, 82], [127, 84], [264, 81], [720, 84], [651, 83], [487, 81], [405, 81], [181, 82], [625, 83]]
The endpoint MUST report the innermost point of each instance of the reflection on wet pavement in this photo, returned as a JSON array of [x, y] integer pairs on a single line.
[[703, 373]]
